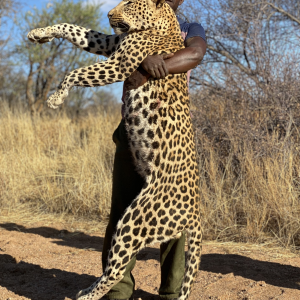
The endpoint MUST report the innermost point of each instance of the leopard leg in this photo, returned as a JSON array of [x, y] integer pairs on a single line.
[[116, 68], [100, 287], [83, 38], [193, 260], [89, 76], [133, 233]]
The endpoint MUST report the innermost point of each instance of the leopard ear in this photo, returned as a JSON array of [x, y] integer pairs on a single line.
[[159, 3]]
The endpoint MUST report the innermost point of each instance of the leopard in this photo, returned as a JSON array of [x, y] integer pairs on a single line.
[[159, 129]]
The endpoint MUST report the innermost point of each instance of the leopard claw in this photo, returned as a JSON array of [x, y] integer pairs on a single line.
[[45, 40], [78, 295], [82, 295]]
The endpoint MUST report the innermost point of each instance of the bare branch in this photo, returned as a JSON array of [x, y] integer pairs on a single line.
[[285, 13], [234, 60]]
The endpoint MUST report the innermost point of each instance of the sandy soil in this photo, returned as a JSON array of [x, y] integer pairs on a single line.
[[54, 262]]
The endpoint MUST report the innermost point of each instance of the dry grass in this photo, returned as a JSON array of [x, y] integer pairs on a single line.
[[56, 165], [249, 169]]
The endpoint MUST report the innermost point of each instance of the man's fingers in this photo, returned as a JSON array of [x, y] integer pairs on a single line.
[[157, 72], [162, 71], [154, 71], [166, 71], [155, 65], [151, 71]]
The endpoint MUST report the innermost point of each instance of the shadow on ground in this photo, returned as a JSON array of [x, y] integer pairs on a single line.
[[78, 239], [36, 283], [276, 274], [32, 281], [64, 283], [63, 237]]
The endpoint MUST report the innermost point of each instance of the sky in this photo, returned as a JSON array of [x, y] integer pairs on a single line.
[[116, 88], [106, 7]]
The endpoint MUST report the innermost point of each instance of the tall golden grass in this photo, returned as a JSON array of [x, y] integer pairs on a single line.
[[249, 175], [249, 168], [56, 164]]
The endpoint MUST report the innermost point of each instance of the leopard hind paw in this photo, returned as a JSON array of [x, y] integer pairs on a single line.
[[57, 98]]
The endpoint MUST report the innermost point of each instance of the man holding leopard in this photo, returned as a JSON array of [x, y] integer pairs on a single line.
[[155, 181], [127, 183]]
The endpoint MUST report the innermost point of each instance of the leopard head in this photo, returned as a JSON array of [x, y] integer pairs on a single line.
[[136, 15]]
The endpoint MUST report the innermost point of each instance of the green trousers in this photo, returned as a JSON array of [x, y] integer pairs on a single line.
[[127, 184]]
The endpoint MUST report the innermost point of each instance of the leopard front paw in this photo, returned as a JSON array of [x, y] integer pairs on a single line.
[[57, 98], [40, 35]]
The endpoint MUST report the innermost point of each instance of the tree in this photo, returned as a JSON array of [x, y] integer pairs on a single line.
[[6, 7], [48, 64], [253, 47], [288, 9]]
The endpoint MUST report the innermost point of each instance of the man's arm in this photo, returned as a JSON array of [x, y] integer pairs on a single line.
[[159, 66], [182, 61]]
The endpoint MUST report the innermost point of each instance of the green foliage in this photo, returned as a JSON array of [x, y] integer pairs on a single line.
[[64, 11], [50, 62], [5, 8]]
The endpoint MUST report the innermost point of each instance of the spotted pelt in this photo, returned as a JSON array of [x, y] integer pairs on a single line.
[[159, 130]]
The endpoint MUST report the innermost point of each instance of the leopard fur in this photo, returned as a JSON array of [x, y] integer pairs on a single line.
[[159, 130]]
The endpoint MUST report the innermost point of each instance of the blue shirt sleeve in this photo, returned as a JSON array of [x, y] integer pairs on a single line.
[[195, 29]]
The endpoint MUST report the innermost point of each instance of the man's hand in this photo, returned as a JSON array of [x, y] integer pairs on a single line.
[[155, 65], [141, 75]]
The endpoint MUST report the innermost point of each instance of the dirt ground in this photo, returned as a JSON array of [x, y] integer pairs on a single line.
[[55, 261]]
